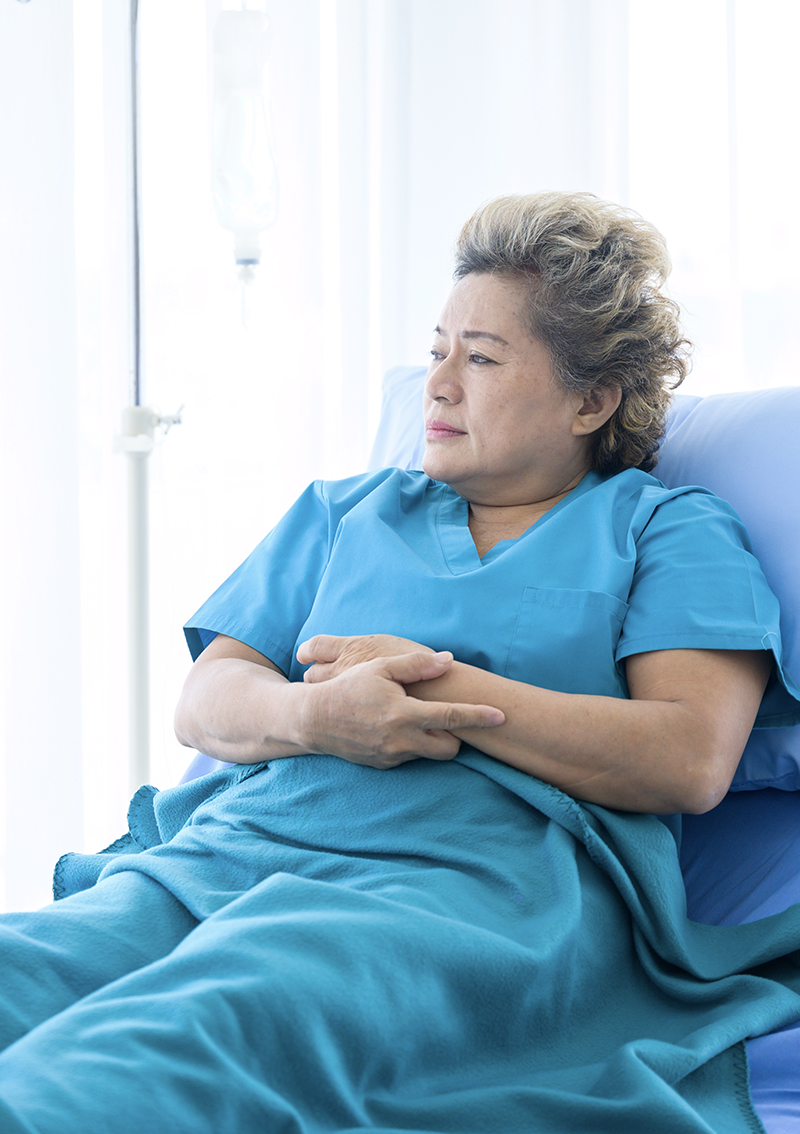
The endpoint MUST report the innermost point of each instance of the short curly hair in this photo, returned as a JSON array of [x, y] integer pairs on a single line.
[[595, 272]]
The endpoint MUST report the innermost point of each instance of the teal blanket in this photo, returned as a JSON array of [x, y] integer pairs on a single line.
[[444, 947]]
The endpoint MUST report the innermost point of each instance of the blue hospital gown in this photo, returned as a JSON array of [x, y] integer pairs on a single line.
[[620, 566]]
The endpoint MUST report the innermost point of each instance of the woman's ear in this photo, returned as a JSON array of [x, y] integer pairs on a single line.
[[595, 409]]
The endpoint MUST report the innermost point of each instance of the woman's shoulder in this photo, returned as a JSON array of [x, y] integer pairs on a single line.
[[646, 493], [658, 516], [642, 508]]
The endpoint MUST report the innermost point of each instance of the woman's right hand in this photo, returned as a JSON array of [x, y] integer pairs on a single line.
[[364, 715]]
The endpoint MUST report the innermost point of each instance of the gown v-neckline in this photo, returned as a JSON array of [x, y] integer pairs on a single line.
[[458, 546]]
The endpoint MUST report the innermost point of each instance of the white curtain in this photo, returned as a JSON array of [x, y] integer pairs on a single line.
[[40, 680], [392, 120]]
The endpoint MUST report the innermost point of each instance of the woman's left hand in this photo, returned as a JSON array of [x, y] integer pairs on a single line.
[[329, 655]]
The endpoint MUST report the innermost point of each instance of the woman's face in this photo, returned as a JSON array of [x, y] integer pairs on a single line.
[[498, 428]]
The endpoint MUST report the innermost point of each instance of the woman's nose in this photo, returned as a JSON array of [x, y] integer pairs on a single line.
[[441, 382]]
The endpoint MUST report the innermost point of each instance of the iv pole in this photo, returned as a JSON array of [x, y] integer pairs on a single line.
[[252, 181], [136, 440]]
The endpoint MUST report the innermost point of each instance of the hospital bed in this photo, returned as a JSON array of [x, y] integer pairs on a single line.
[[740, 861]]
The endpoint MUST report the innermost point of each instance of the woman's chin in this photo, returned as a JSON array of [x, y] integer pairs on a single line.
[[437, 463], [435, 468]]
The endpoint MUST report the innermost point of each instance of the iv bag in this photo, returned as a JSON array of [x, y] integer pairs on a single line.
[[244, 177]]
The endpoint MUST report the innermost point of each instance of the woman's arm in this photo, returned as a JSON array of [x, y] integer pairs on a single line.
[[237, 705], [674, 746]]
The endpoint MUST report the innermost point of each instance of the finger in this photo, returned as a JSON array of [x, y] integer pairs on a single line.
[[442, 715], [439, 745], [408, 668], [319, 671], [320, 648]]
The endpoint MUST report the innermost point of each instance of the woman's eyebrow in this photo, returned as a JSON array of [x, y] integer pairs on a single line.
[[483, 335], [474, 335]]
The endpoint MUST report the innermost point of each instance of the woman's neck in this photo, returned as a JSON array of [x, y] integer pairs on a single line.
[[491, 523]]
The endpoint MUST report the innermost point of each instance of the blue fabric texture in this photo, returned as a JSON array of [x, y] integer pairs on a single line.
[[448, 946], [56, 956]]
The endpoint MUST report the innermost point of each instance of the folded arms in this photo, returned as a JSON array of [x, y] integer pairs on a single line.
[[379, 700]]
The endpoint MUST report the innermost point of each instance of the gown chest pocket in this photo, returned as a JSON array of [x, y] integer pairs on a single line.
[[565, 639]]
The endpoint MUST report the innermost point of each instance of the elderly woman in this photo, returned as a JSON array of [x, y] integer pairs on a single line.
[[453, 908], [546, 397]]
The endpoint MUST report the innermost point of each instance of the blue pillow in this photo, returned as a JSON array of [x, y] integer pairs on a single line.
[[739, 446]]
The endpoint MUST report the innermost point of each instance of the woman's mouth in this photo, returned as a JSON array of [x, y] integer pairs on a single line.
[[441, 431]]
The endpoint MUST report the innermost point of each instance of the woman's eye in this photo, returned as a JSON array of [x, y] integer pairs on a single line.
[[480, 359], [436, 354]]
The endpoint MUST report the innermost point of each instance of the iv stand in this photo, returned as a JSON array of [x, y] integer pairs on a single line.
[[136, 440]]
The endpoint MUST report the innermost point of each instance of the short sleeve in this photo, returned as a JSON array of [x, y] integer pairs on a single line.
[[697, 585], [266, 600]]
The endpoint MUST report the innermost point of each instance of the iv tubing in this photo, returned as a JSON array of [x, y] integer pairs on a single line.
[[137, 326]]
